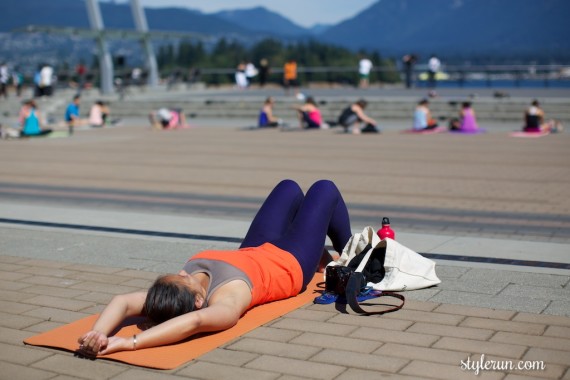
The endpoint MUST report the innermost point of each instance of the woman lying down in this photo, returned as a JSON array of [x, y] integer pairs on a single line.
[[277, 259]]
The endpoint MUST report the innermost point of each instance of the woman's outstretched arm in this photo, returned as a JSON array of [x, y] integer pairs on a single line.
[[362, 116], [120, 307], [226, 308], [216, 317]]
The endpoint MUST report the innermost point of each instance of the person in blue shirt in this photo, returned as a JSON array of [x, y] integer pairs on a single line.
[[266, 117], [422, 117], [31, 126], [72, 114]]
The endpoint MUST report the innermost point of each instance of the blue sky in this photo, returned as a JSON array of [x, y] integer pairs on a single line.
[[303, 12]]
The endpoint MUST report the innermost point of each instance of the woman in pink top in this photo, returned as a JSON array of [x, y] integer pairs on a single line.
[[309, 114], [98, 114]]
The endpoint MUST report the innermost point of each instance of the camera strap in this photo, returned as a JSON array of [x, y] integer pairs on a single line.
[[353, 289]]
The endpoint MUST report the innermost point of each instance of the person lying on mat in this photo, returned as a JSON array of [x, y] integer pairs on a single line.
[[277, 259]]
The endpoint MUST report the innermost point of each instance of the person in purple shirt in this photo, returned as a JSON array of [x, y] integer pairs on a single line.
[[467, 122]]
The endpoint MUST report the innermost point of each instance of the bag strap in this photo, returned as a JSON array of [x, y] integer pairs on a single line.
[[353, 288], [368, 249]]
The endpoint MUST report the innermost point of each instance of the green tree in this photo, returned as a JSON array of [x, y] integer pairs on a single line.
[[227, 54]]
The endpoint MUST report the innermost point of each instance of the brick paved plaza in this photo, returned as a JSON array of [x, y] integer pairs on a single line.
[[489, 195]]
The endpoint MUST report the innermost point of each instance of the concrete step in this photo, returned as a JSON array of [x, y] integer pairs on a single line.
[[215, 104], [380, 109]]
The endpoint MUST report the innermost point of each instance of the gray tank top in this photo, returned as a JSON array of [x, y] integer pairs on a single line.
[[220, 273]]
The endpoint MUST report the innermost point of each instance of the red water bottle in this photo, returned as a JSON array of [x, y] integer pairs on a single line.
[[386, 231]]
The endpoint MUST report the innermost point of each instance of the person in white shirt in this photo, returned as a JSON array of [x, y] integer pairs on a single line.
[[434, 64], [250, 72], [240, 76], [46, 80], [4, 77], [364, 67], [137, 77]]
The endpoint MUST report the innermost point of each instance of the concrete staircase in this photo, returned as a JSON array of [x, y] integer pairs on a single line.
[[499, 110], [203, 103]]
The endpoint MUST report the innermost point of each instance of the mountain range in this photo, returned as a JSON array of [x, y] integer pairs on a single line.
[[267, 22], [462, 28]]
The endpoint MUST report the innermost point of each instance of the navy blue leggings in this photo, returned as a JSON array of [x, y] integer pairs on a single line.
[[299, 223]]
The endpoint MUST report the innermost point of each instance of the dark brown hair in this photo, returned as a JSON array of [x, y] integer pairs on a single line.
[[362, 103], [167, 299], [311, 100]]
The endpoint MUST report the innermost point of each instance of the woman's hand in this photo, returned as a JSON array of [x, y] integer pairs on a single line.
[[92, 342], [96, 343]]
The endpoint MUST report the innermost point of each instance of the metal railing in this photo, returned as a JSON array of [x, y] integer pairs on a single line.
[[455, 76]]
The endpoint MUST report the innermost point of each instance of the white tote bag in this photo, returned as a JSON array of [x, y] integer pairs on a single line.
[[405, 269]]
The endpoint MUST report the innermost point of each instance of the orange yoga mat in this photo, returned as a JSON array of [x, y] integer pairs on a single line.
[[172, 356]]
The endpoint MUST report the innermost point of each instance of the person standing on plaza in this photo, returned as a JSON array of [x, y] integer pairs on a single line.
[[4, 78], [137, 77], [364, 67], [263, 72], [409, 60], [136, 74], [46, 80], [250, 73], [290, 76], [240, 76], [434, 65], [37, 89], [81, 71], [18, 81]]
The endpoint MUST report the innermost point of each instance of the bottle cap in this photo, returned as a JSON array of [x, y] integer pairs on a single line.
[[385, 221]]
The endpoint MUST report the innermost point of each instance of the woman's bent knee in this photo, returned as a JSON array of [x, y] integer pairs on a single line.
[[287, 182], [288, 188], [324, 185], [290, 185]]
